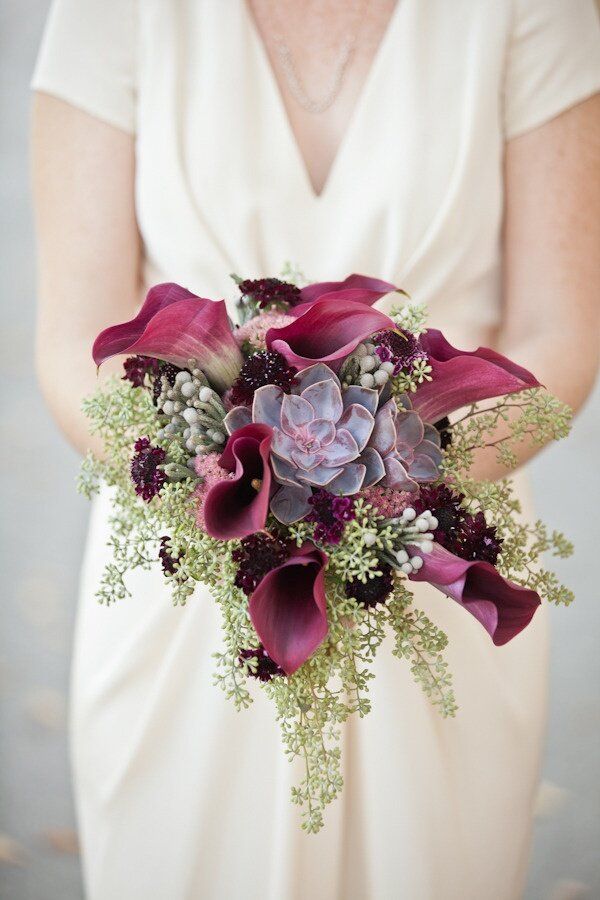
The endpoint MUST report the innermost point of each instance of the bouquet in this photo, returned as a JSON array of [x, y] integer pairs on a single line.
[[310, 464]]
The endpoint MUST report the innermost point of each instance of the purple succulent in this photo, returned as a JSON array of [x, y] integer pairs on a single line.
[[402, 450], [328, 437]]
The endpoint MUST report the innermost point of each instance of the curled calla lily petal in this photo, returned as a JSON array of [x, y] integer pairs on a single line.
[[288, 608], [327, 332], [461, 377], [503, 608], [176, 325], [358, 288], [237, 507]]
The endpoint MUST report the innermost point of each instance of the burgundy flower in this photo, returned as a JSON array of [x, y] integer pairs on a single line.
[[264, 367], [446, 506], [401, 348], [461, 377], [176, 325], [266, 668], [358, 288], [237, 507], [374, 590], [330, 513], [288, 608], [503, 608], [327, 332], [478, 540], [165, 370], [167, 560], [145, 474], [270, 292], [462, 533], [257, 555], [137, 367]]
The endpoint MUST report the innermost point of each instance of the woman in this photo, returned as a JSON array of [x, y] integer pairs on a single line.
[[452, 148]]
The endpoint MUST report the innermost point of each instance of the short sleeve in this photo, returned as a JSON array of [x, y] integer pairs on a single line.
[[553, 61], [88, 58]]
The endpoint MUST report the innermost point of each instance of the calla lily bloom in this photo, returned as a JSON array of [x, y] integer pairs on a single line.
[[288, 608], [460, 377], [237, 507], [358, 288], [327, 332], [176, 325], [503, 608]]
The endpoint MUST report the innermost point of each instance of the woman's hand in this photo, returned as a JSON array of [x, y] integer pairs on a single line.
[[551, 288], [89, 251]]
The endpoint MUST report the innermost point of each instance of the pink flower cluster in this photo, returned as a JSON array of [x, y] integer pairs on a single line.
[[255, 331], [208, 468], [387, 502]]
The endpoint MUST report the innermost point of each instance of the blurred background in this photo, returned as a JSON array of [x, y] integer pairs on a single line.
[[42, 533]]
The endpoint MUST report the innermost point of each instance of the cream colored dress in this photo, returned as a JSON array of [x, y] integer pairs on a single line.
[[178, 795]]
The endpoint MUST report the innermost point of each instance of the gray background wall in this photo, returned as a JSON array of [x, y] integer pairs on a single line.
[[41, 538]]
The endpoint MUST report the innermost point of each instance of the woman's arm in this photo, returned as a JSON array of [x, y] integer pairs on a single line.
[[88, 250], [551, 313]]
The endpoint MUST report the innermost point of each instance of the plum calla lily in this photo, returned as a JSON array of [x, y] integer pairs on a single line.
[[461, 377], [358, 288], [327, 332], [237, 507], [288, 608], [176, 325], [503, 608]]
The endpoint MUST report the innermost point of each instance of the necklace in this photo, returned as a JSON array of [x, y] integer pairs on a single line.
[[295, 82]]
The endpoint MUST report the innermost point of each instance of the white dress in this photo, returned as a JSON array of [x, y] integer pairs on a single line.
[[178, 795]]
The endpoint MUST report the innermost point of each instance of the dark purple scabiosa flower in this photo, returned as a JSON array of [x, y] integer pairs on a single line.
[[167, 560], [373, 590], [446, 507], [255, 556], [266, 667], [465, 535], [270, 293], [264, 367], [169, 371], [146, 475], [330, 513], [478, 540], [401, 348], [137, 367]]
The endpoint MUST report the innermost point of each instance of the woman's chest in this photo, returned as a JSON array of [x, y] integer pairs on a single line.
[[417, 173]]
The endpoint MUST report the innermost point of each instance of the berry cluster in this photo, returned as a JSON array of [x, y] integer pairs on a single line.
[[192, 409]]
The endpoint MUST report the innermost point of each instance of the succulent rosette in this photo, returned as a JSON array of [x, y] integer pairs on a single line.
[[311, 466], [328, 436]]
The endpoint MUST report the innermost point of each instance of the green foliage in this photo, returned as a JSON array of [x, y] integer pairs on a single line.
[[410, 316], [530, 415]]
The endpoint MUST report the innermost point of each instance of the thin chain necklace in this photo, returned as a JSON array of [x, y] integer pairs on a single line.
[[295, 82]]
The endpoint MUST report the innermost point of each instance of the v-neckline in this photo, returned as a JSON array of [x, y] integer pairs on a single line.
[[355, 115]]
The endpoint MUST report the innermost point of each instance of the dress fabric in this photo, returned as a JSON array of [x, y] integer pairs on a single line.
[[178, 795]]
